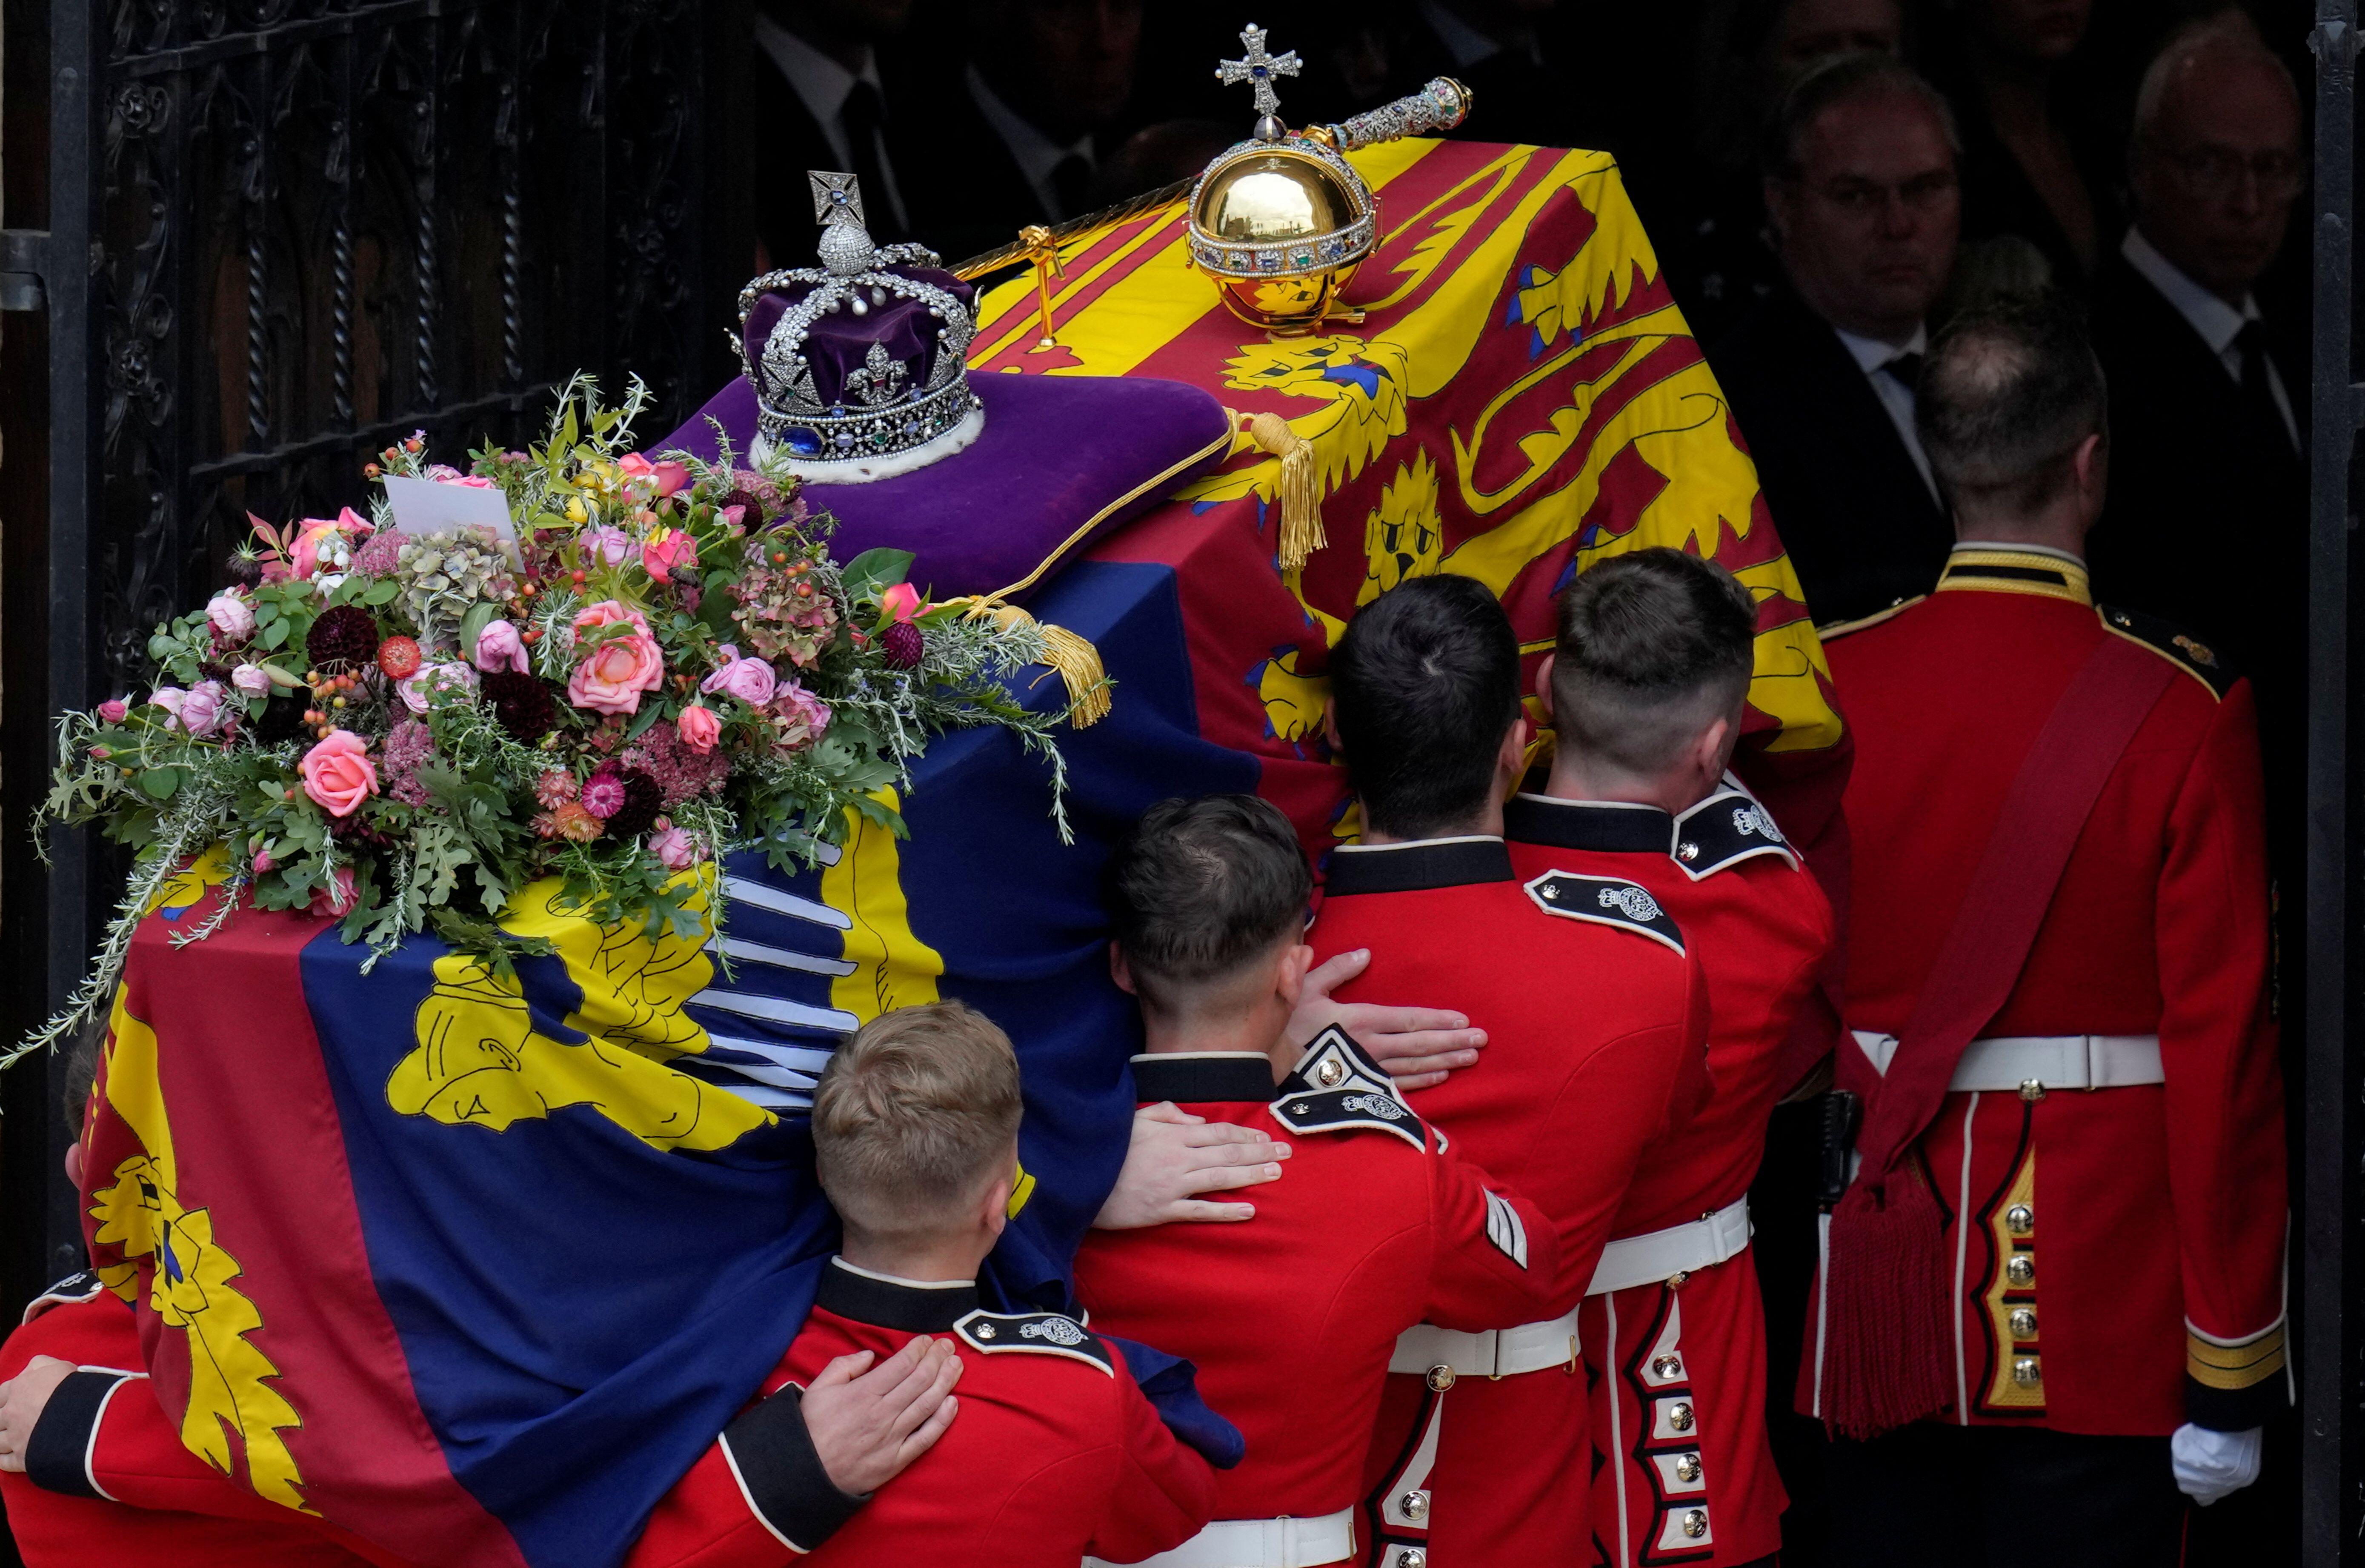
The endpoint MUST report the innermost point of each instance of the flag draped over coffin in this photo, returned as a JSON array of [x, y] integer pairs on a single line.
[[476, 1267]]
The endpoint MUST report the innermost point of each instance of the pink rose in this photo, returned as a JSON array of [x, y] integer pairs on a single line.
[[339, 775], [338, 896], [251, 680], [611, 546], [664, 478], [735, 518], [445, 474], [202, 711], [901, 602], [613, 676], [230, 617], [417, 690], [114, 709], [169, 698], [674, 847], [700, 728], [263, 864], [499, 647], [750, 680], [802, 716], [670, 551]]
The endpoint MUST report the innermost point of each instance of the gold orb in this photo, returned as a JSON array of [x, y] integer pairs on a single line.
[[1280, 225]]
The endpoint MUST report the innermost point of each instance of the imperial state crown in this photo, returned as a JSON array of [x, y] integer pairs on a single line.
[[857, 364]]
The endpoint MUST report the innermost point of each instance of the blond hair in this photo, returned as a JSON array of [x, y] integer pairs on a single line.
[[915, 1114]]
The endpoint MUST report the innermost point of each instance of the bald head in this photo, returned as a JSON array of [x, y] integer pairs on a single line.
[[2011, 411], [2216, 155]]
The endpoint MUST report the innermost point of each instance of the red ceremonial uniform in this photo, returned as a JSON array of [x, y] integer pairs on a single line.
[[2117, 1250], [1373, 1229], [1055, 1453], [1679, 1395], [1596, 1018], [107, 1479]]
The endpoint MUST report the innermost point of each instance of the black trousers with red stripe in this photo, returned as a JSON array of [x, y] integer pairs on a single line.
[[1938, 1496]]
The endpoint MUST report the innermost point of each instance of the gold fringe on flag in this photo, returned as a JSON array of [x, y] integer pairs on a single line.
[[1073, 658], [1300, 488]]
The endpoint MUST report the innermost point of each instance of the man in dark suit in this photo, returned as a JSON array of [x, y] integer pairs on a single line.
[[1861, 189], [818, 100]]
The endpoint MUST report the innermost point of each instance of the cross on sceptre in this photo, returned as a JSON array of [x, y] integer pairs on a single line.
[[1258, 69]]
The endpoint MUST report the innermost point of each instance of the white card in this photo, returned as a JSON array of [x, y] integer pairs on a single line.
[[424, 505]]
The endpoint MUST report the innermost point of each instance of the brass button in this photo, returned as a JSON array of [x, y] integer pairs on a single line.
[[2020, 1219], [1666, 1366], [2024, 1371], [1687, 1469], [1414, 1505], [2020, 1270], [1676, 1281], [1696, 1523], [1412, 1557], [2023, 1323], [1331, 1073], [1687, 852], [1680, 1417], [1440, 1378], [2032, 1091]]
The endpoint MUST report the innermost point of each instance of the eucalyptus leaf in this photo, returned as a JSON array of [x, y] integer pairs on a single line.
[[160, 781]]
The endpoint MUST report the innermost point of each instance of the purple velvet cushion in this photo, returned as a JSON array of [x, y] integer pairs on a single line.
[[837, 344], [1062, 461]]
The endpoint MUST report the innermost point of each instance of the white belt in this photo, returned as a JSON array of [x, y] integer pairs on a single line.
[[2054, 1062], [1661, 1255], [1497, 1353], [1261, 1543]]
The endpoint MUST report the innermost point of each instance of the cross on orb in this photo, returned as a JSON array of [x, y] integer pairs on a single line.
[[1258, 69]]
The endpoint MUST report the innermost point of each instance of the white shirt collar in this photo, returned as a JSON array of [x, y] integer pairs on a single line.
[[821, 82], [2217, 322], [899, 1280], [1036, 154], [1963, 544], [1871, 354]]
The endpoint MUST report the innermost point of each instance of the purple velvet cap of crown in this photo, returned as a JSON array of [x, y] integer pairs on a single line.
[[1062, 460], [838, 344]]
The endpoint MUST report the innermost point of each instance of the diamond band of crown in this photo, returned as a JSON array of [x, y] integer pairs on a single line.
[[883, 409]]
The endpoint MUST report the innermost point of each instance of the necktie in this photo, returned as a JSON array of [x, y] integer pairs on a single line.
[[2258, 391], [1072, 187], [1906, 368], [863, 115]]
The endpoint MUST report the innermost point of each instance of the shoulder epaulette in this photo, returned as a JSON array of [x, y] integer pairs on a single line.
[[1842, 628], [1335, 1086], [1606, 900], [2172, 643], [1727, 828], [72, 1291], [1034, 1333]]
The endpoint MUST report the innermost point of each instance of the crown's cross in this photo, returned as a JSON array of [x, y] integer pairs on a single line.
[[1258, 69], [837, 198]]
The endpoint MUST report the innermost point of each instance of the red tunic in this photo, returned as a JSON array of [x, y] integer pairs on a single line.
[[2119, 1252], [1374, 1228], [1055, 1453], [1596, 1019], [1708, 1493], [136, 1495]]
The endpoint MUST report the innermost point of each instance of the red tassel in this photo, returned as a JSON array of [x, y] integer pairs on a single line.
[[1887, 1344]]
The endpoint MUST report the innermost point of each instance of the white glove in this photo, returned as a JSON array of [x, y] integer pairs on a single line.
[[2212, 1465]]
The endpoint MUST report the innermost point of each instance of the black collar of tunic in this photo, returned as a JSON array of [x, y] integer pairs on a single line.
[[890, 1303], [1197, 1079], [1416, 867], [1588, 824]]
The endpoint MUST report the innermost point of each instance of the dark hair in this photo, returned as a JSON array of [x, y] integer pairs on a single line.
[[1204, 887], [2008, 392], [1845, 79], [1654, 646], [1426, 680], [78, 1072]]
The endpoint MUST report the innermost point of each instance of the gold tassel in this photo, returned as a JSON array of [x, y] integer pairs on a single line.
[[1073, 658], [1301, 488]]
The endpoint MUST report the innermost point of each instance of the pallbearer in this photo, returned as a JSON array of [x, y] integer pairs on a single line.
[[2054, 1293], [1594, 1017], [1646, 688]]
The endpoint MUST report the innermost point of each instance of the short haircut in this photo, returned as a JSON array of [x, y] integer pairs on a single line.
[[1426, 680], [2008, 392], [78, 1073], [2229, 33], [1654, 646], [913, 1115], [1201, 889], [1845, 79]]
